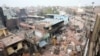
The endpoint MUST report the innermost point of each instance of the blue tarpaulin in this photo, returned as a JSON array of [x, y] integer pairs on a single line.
[[43, 43]]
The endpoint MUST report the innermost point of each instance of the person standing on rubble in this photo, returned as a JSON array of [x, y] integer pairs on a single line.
[[54, 40]]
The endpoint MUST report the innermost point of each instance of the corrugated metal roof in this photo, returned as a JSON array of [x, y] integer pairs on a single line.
[[51, 21], [11, 40]]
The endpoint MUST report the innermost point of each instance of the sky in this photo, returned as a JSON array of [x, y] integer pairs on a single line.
[[25, 3]]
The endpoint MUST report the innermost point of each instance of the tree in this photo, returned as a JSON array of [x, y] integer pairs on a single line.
[[48, 10]]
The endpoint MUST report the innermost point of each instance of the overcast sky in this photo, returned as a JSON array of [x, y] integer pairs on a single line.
[[24, 3]]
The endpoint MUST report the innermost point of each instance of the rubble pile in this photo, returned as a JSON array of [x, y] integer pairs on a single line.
[[70, 43], [24, 34]]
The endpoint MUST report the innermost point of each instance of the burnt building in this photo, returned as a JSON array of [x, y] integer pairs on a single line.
[[2, 17], [8, 18], [22, 14]]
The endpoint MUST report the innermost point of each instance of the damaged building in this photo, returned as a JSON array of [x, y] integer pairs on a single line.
[[54, 35]]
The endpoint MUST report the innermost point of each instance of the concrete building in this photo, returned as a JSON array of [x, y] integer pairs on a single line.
[[94, 47]]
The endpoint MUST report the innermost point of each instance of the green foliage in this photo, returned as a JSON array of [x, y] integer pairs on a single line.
[[50, 10]]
